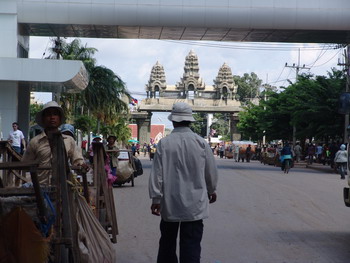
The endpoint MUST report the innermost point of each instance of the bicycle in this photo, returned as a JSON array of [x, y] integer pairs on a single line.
[[286, 162], [287, 165]]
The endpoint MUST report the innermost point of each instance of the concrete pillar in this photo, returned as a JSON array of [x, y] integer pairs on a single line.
[[209, 123], [8, 28], [235, 135], [23, 110], [8, 106], [144, 128], [8, 48], [13, 45]]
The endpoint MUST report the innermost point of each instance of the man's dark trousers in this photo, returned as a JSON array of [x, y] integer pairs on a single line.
[[190, 241]]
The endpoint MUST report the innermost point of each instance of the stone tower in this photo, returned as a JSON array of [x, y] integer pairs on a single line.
[[157, 81], [191, 82], [224, 84]]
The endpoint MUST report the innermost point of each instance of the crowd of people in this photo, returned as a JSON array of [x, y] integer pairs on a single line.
[[332, 154], [237, 152]]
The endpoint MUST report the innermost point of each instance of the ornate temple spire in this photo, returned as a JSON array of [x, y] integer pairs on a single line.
[[157, 80], [191, 81], [191, 65], [157, 74], [224, 75], [224, 83]]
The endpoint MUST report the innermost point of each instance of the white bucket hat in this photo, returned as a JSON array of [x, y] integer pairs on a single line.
[[50, 104], [181, 112]]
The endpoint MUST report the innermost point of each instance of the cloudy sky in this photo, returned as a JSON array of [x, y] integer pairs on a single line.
[[132, 60]]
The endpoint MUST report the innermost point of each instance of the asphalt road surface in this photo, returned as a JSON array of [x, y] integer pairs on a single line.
[[261, 215]]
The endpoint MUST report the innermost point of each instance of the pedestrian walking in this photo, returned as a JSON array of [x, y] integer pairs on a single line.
[[144, 149], [138, 149], [16, 138], [113, 152], [297, 152], [236, 155], [341, 160], [248, 152], [133, 149], [221, 150], [319, 152], [182, 184], [311, 150]]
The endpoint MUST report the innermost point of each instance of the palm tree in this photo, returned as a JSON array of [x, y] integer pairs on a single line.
[[120, 129], [71, 102], [103, 95]]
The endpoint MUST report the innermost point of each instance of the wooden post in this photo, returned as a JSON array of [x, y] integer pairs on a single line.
[[105, 208], [63, 203]]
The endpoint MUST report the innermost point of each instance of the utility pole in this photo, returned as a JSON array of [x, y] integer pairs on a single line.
[[346, 65], [347, 88], [265, 89], [297, 68]]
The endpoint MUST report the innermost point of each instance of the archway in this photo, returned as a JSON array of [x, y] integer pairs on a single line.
[[156, 92], [191, 92], [225, 93]]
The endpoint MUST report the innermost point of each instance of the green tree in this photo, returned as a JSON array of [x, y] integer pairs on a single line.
[[103, 96], [120, 129], [310, 105], [313, 105], [221, 125], [249, 122], [72, 102], [33, 110], [248, 86], [200, 125], [86, 124]]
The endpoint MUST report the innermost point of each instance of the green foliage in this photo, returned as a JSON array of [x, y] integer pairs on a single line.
[[103, 96], [200, 125], [248, 86], [310, 105], [86, 124], [221, 125], [120, 129], [33, 110], [249, 123]]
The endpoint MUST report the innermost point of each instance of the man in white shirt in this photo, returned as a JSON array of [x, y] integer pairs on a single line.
[[182, 183], [16, 137]]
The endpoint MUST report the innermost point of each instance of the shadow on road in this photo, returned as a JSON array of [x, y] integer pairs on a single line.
[[331, 246]]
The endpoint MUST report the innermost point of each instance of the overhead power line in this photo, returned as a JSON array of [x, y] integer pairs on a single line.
[[255, 46]]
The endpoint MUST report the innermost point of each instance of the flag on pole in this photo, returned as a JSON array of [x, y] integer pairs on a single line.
[[133, 101]]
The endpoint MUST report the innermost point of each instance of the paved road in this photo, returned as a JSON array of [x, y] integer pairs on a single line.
[[261, 216]]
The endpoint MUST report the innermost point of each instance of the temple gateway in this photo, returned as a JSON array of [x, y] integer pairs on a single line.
[[217, 98], [191, 86]]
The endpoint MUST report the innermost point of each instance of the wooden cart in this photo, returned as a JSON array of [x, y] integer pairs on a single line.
[[63, 193], [268, 157], [126, 168]]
